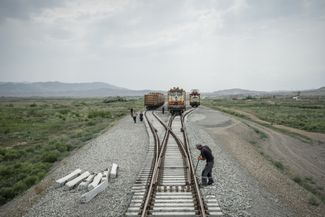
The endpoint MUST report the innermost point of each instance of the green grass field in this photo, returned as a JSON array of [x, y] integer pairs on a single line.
[[306, 114], [35, 133]]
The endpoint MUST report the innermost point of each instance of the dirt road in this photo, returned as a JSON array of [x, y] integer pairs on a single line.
[[238, 142]]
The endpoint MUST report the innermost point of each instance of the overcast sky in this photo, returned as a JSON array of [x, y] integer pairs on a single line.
[[209, 45]]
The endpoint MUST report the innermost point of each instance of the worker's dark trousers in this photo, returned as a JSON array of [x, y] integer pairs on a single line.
[[207, 173]]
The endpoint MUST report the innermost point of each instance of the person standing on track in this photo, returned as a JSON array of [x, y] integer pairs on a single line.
[[206, 154], [141, 116]]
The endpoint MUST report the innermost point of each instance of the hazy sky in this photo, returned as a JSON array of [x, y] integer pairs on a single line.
[[209, 45]]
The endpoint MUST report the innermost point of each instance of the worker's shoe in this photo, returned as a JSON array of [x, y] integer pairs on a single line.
[[210, 182]]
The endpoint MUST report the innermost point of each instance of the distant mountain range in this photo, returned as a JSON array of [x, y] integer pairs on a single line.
[[100, 89], [242, 92], [59, 89]]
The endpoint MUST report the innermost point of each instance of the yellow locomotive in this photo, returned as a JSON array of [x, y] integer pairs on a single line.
[[176, 100]]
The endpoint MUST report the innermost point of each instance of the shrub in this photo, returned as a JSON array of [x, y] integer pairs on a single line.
[[91, 123], [11, 154], [297, 179], [61, 147], [313, 201], [101, 114], [64, 111], [19, 187], [7, 192], [114, 99], [278, 165], [5, 170], [50, 156], [30, 180], [2, 200]]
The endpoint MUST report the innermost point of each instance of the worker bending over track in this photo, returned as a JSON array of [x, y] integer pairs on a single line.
[[206, 154]]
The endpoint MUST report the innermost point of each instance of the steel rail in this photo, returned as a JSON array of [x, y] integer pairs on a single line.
[[191, 176], [154, 177], [199, 198], [154, 161], [186, 152]]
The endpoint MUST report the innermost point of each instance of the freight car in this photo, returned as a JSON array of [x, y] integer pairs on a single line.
[[195, 98], [176, 100], [153, 100]]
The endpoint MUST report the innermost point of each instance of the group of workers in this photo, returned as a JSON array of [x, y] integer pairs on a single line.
[[206, 154], [134, 115]]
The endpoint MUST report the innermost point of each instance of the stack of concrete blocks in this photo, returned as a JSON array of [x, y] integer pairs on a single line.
[[99, 184], [93, 183]]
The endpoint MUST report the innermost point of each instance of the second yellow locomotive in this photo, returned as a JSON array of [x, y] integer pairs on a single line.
[[194, 98], [176, 100]]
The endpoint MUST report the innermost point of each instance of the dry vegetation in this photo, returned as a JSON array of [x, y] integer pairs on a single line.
[[35, 133]]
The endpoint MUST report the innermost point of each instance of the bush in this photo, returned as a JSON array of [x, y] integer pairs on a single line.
[[11, 154], [91, 123], [7, 192], [2, 200], [297, 179], [101, 114], [50, 156], [5, 170], [114, 99], [19, 187], [313, 201], [278, 165], [30, 180], [64, 111], [61, 147]]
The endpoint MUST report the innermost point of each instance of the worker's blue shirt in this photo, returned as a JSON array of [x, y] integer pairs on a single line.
[[207, 154]]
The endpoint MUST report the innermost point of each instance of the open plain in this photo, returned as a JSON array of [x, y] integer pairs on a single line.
[[247, 182]]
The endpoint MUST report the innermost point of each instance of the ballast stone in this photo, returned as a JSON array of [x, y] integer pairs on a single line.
[[77, 180], [85, 198], [72, 175], [114, 170]]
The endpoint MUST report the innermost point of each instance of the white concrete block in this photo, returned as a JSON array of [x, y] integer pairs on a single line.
[[84, 184], [106, 174], [85, 198], [77, 180], [63, 180], [114, 171], [95, 182]]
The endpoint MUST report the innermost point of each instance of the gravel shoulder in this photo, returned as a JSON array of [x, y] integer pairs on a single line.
[[125, 144], [247, 184]]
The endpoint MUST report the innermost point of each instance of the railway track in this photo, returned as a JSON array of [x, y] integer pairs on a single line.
[[167, 185]]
